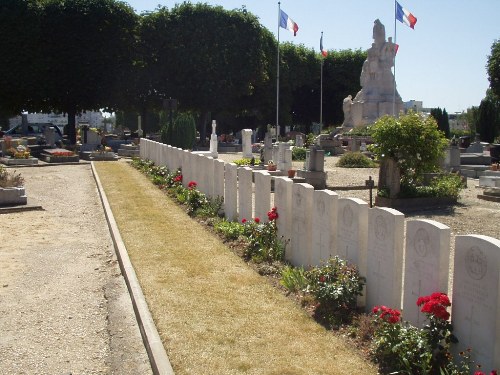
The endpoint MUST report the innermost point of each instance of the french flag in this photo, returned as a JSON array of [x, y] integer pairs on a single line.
[[287, 23], [404, 16]]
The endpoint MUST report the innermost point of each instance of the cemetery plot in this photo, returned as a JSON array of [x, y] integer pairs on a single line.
[[59, 155]]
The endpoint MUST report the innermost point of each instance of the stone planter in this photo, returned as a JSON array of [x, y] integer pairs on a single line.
[[272, 167], [291, 173], [12, 161], [415, 204], [13, 196]]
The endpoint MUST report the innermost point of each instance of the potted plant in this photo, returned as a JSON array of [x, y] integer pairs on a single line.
[[291, 173], [271, 166]]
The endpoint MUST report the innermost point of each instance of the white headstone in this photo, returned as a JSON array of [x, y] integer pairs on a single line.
[[262, 194], [352, 232], [283, 203], [218, 178], [324, 226], [301, 244], [384, 274], [427, 262], [231, 191], [246, 141], [245, 193], [476, 302]]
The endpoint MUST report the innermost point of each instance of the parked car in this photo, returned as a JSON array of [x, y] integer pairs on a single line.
[[35, 130]]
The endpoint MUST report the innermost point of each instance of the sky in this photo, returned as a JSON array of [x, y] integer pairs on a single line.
[[441, 62]]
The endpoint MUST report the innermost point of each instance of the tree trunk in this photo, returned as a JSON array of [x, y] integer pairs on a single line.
[[203, 127], [72, 126]]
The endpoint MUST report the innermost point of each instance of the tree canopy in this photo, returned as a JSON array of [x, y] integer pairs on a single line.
[[493, 68], [80, 55]]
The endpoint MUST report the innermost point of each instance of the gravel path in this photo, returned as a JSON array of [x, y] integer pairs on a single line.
[[64, 306]]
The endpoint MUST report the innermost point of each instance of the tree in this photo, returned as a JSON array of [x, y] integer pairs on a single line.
[[488, 119], [441, 117], [414, 142], [86, 47], [210, 67], [20, 67], [493, 68]]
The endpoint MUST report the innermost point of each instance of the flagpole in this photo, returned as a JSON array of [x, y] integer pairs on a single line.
[[278, 76], [395, 43], [321, 89]]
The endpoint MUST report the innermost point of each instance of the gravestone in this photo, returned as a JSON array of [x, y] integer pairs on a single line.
[[384, 274], [427, 261], [245, 193], [283, 202], [352, 235], [476, 302], [213, 141], [324, 226], [268, 148], [50, 136], [246, 141], [314, 168], [389, 177], [231, 191], [299, 140], [302, 203], [262, 194], [218, 178]]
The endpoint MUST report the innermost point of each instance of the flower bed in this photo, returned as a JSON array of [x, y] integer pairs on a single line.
[[59, 155]]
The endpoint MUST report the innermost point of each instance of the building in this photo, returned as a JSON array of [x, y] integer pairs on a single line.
[[93, 119]]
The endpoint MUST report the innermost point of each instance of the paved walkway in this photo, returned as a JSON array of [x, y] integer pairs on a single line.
[[64, 306]]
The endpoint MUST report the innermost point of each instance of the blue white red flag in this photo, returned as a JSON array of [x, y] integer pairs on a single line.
[[323, 52], [404, 16], [287, 23]]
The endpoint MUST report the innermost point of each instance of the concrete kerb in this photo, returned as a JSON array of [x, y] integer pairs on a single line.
[[160, 363]]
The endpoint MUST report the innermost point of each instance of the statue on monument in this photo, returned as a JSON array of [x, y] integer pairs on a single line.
[[378, 95]]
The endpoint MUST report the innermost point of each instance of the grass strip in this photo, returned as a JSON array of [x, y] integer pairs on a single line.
[[215, 315]]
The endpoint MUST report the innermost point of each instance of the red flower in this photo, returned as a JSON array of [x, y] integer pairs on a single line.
[[192, 184], [178, 178], [387, 314], [257, 220], [322, 279], [479, 373], [273, 214], [243, 221], [435, 304], [493, 372]]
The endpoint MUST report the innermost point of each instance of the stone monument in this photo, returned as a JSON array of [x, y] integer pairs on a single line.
[[214, 141], [378, 95]]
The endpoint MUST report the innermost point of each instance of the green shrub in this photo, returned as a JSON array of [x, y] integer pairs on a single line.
[[446, 185], [294, 279], [413, 141], [355, 160], [299, 153], [229, 229], [243, 162], [336, 286], [182, 133]]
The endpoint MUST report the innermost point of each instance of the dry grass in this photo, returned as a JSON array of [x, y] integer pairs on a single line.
[[214, 313]]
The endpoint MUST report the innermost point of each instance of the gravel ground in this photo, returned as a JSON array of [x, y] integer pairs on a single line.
[[64, 306]]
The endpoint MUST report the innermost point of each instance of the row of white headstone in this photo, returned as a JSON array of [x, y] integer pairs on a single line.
[[400, 259]]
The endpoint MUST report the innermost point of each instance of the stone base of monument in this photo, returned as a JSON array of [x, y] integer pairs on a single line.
[[13, 196], [13, 161], [475, 171], [314, 178], [98, 156], [415, 204], [491, 194], [129, 150]]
